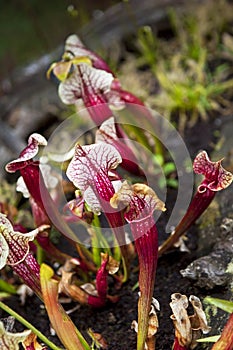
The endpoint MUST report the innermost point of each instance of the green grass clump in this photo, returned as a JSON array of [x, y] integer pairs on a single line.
[[192, 83]]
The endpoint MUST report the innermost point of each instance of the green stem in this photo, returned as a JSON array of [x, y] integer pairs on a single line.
[[125, 271], [29, 326], [99, 243], [159, 148], [116, 250], [39, 253]]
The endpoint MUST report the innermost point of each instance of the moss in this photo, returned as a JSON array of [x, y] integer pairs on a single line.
[[210, 216]]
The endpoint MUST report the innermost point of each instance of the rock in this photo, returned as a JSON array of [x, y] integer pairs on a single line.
[[211, 270]]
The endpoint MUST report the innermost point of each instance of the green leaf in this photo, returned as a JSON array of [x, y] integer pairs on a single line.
[[136, 286], [7, 287], [172, 183], [212, 339], [225, 305], [69, 335], [168, 168], [158, 159], [4, 295]]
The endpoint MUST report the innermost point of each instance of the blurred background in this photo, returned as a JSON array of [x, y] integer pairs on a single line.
[[32, 28], [32, 37]]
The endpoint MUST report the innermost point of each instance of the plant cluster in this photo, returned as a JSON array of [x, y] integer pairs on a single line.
[[187, 70], [97, 191]]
